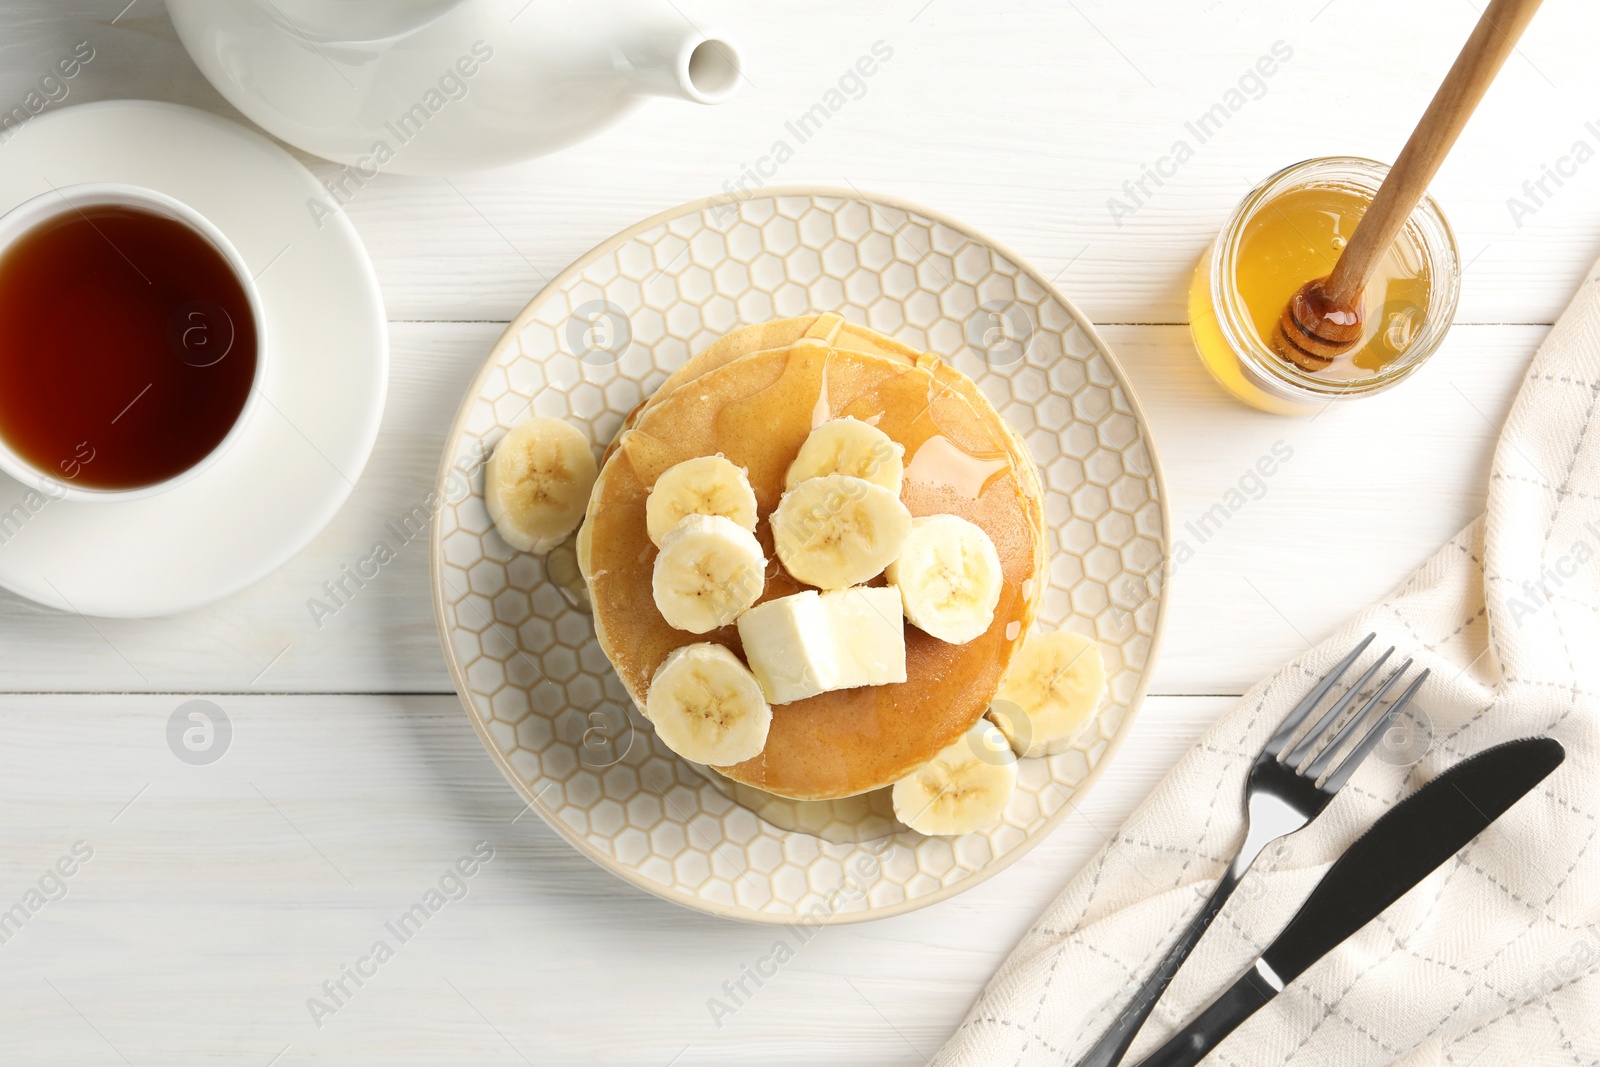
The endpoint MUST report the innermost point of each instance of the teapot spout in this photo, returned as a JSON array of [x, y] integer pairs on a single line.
[[667, 59]]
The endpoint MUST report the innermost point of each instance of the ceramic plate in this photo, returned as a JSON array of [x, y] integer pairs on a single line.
[[601, 338], [323, 391]]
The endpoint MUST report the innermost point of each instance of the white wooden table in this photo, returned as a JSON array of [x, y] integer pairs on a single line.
[[220, 898]]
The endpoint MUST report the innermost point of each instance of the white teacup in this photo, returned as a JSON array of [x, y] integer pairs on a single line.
[[25, 217]]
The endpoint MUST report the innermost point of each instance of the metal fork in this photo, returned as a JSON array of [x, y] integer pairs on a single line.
[[1281, 797]]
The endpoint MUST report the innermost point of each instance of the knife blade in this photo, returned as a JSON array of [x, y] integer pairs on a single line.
[[1403, 847]]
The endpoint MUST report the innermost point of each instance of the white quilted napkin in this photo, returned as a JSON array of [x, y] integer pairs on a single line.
[[1493, 959]]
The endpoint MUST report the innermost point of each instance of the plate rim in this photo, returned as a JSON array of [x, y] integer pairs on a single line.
[[372, 293], [531, 799]]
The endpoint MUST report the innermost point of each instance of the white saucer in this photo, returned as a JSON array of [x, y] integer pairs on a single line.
[[324, 389]]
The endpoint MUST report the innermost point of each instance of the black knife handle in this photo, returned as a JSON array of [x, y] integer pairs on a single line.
[[1205, 1032], [1113, 1044]]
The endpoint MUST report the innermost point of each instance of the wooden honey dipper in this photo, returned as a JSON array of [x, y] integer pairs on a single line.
[[1323, 319]]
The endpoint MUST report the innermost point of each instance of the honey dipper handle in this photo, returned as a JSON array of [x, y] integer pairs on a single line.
[[1480, 60]]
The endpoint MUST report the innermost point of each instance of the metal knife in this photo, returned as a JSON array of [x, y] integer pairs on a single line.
[[1402, 848]]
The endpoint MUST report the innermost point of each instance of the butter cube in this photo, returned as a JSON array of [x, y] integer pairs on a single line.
[[788, 647], [809, 643], [869, 636]]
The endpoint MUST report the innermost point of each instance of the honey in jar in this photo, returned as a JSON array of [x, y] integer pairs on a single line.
[[1291, 230]]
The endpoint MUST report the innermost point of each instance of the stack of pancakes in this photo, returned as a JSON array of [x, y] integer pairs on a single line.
[[754, 396]]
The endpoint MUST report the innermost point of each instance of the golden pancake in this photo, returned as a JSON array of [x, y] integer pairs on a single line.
[[848, 337], [845, 336], [756, 404]]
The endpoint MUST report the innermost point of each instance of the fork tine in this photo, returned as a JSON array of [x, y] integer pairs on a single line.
[[1317, 767], [1307, 743], [1292, 721], [1325, 758], [1339, 777]]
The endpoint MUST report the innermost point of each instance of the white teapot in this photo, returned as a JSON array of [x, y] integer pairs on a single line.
[[433, 86]]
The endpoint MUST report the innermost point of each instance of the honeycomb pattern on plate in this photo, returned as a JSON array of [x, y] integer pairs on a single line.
[[516, 628]]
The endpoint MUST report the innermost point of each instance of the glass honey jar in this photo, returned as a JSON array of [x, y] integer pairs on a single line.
[[1290, 230]]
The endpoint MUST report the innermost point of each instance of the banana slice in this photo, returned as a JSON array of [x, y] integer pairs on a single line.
[[964, 788], [707, 707], [837, 531], [709, 570], [705, 485], [537, 484], [949, 577], [849, 446], [1054, 685]]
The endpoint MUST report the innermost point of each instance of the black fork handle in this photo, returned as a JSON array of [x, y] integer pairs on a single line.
[[1220, 1018], [1113, 1044]]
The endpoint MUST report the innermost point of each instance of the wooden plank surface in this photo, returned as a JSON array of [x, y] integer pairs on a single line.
[[219, 898], [1371, 489]]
